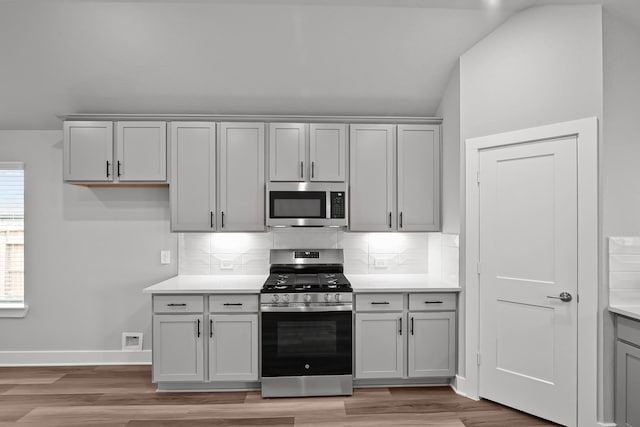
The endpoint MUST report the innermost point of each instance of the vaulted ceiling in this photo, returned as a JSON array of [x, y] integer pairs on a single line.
[[352, 57]]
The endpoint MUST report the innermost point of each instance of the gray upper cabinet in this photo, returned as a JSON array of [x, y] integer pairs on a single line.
[[287, 152], [372, 172], [193, 176], [327, 152], [241, 163], [418, 178], [141, 151], [88, 151], [395, 186]]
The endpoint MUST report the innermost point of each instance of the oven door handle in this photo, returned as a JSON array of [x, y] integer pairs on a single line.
[[328, 308]]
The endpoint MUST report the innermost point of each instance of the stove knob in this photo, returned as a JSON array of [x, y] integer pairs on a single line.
[[327, 297], [275, 297], [338, 297], [285, 297], [307, 297]]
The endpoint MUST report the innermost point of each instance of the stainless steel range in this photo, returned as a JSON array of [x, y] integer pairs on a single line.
[[306, 309]]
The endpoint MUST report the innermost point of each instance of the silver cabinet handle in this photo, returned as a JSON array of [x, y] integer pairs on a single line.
[[301, 169], [564, 297]]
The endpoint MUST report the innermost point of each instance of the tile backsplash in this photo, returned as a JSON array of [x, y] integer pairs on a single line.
[[624, 263], [385, 253]]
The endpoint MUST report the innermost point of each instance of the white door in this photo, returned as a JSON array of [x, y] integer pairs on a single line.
[[372, 183], [193, 176], [418, 177], [327, 152], [233, 347], [241, 164], [528, 257], [287, 152], [141, 151]]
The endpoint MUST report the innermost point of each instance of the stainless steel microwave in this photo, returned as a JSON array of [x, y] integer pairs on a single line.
[[307, 204]]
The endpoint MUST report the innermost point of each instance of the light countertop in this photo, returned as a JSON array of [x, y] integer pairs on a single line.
[[361, 283], [625, 302]]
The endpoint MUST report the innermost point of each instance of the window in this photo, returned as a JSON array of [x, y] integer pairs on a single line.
[[11, 234]]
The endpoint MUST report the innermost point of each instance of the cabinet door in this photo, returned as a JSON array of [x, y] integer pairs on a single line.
[[141, 151], [379, 350], [287, 152], [241, 164], [193, 172], [178, 352], [627, 385], [233, 347], [372, 181], [418, 178], [88, 151], [327, 152], [432, 344]]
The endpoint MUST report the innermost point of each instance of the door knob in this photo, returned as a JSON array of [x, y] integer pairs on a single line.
[[564, 297]]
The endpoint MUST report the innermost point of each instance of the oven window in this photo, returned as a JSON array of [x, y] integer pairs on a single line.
[[301, 338], [297, 204]]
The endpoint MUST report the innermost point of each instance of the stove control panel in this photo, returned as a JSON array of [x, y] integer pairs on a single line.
[[284, 299]]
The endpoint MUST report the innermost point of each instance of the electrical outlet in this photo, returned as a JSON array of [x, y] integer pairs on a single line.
[[226, 265], [165, 257], [380, 263]]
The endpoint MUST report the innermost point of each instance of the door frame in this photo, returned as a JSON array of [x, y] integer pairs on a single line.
[[586, 133]]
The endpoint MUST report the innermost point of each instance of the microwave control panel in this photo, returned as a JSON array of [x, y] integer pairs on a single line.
[[337, 204]]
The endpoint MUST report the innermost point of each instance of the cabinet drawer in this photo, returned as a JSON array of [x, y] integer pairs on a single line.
[[178, 304], [432, 302], [379, 302], [233, 303], [629, 330]]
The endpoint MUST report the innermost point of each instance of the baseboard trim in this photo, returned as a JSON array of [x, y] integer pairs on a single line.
[[78, 357], [607, 425], [459, 385]]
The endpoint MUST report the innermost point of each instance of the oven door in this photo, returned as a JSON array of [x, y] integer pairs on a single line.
[[306, 343]]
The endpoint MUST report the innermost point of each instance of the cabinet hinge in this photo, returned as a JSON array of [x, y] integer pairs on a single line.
[[478, 177], [478, 358]]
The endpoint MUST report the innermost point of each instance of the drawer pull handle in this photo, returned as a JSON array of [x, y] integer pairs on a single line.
[[380, 303], [232, 303], [433, 302], [173, 304]]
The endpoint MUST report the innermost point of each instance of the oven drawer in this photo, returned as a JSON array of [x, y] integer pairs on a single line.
[[379, 302], [432, 301], [233, 303], [178, 304]]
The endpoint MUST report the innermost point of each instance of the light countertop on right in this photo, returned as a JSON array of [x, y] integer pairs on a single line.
[[371, 283]]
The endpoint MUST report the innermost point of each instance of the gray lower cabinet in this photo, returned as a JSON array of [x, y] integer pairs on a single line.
[[405, 335], [379, 349], [178, 347], [182, 323], [628, 372]]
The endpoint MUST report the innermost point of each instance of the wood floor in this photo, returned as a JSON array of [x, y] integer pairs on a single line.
[[124, 396]]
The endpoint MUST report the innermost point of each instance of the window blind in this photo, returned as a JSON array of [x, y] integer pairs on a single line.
[[11, 233]]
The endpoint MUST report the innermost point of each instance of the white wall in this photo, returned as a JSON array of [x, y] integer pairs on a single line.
[[89, 252], [543, 65], [449, 110], [620, 174]]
